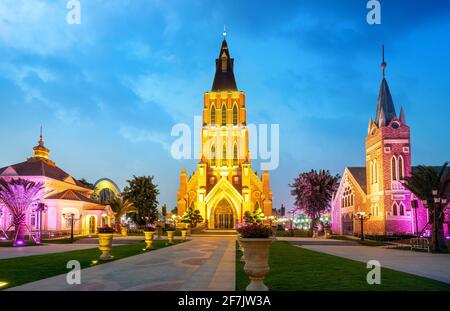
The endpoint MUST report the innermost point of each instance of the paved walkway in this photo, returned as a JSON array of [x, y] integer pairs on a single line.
[[205, 263], [433, 266], [13, 252]]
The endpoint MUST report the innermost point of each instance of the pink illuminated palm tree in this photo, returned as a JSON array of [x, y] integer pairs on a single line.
[[19, 195]]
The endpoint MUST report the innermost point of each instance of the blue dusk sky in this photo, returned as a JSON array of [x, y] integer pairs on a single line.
[[109, 90]]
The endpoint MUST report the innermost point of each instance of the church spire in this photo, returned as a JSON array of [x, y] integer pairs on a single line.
[[385, 105], [224, 77]]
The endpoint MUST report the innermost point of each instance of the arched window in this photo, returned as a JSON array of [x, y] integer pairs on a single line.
[[402, 209], [224, 154], [224, 114], [347, 197], [213, 114], [401, 168], [371, 173], [395, 209], [213, 155], [235, 115], [394, 168], [235, 155], [375, 168]]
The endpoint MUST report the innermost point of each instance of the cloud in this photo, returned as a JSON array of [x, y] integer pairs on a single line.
[[140, 135], [178, 97], [38, 27]]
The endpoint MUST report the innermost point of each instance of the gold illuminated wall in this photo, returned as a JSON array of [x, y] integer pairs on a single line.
[[224, 176]]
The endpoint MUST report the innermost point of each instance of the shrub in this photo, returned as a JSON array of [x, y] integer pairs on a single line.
[[254, 231], [106, 229], [149, 228]]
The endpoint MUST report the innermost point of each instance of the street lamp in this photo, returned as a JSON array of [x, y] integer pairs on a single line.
[[71, 218], [361, 216], [40, 209]]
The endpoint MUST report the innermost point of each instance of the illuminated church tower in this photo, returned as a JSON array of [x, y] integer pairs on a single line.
[[388, 161], [224, 186]]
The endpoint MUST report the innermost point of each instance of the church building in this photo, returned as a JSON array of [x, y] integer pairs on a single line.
[[224, 186], [377, 189]]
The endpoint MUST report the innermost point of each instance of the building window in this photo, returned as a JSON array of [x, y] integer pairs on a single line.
[[224, 154], [213, 155], [375, 168], [347, 199], [401, 168], [32, 220], [402, 209], [235, 115], [224, 114], [213, 114], [235, 155], [394, 175], [395, 209], [224, 62]]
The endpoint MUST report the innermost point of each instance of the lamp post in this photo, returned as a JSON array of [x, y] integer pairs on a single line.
[[40, 209], [415, 206], [71, 218], [361, 216]]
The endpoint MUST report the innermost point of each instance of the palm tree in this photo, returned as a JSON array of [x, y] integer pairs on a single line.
[[423, 182], [18, 195], [120, 208]]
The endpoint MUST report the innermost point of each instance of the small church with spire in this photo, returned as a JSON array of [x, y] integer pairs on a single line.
[[377, 189], [224, 187]]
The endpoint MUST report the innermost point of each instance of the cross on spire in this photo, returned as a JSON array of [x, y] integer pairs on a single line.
[[224, 31], [383, 64]]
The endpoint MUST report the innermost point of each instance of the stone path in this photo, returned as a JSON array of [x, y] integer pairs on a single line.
[[205, 263], [433, 266]]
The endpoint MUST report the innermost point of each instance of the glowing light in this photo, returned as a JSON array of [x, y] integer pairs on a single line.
[[94, 262], [3, 284]]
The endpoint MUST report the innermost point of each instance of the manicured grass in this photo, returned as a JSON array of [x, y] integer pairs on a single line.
[[365, 242], [293, 268], [21, 270]]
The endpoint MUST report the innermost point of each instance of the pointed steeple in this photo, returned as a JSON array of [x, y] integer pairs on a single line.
[[370, 125], [224, 78], [402, 116], [385, 105], [382, 119]]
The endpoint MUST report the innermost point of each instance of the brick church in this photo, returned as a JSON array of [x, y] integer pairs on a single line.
[[377, 189]]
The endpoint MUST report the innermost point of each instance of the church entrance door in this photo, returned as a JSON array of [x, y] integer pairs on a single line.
[[223, 216]]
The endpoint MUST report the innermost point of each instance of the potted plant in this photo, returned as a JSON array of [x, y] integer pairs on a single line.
[[124, 230], [170, 232], [255, 239], [149, 231], [105, 237], [183, 233]]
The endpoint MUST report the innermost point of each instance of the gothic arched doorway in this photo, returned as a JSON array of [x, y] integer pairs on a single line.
[[223, 216]]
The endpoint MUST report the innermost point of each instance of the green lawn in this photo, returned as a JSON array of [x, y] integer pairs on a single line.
[[21, 270], [293, 268]]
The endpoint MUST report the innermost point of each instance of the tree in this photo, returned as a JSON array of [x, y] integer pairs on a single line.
[[19, 195], [422, 182], [86, 183], [120, 208], [174, 210], [143, 192], [256, 216], [313, 192], [164, 210], [192, 217]]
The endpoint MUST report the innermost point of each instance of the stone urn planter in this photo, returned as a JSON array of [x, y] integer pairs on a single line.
[[123, 231], [184, 234], [255, 240], [149, 239], [170, 234], [105, 238]]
